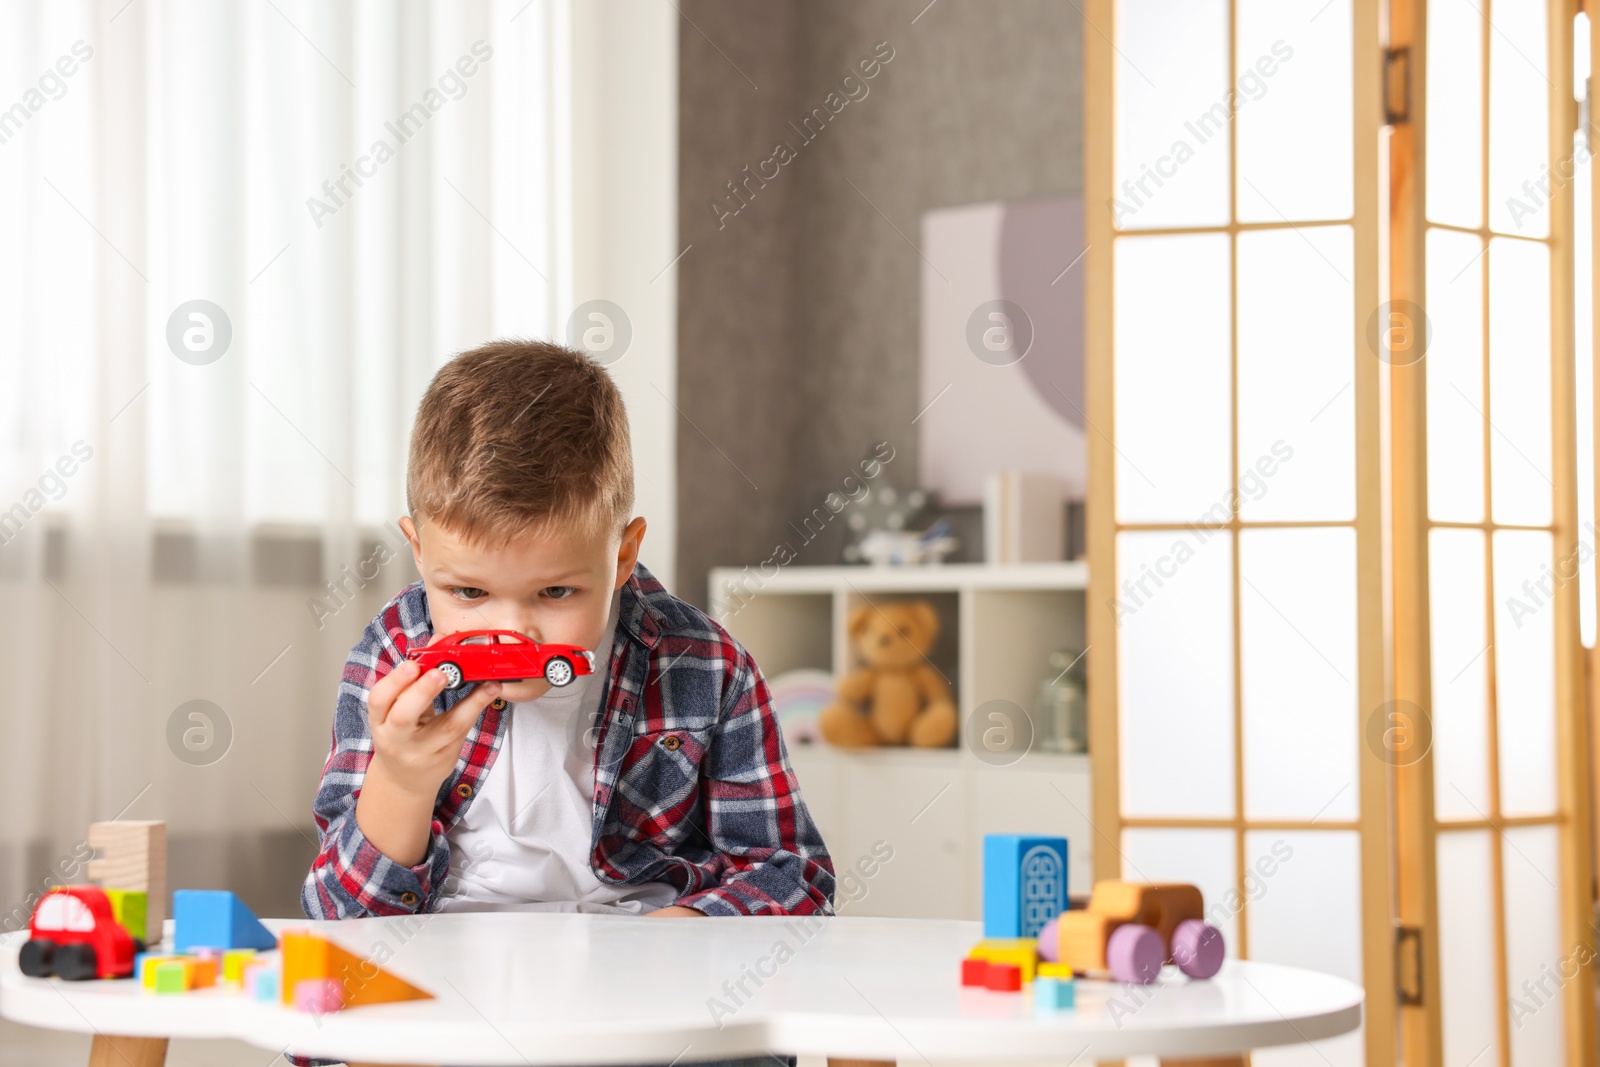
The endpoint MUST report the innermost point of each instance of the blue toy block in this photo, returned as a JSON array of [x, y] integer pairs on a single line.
[[1024, 883], [1053, 994], [216, 918]]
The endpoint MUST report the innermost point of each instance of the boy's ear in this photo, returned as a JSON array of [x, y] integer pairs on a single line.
[[628, 550], [409, 528]]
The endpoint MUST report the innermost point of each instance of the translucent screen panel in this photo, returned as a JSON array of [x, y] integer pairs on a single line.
[[1537, 961], [1296, 402], [1290, 874], [1519, 141], [1469, 998], [1519, 381], [1175, 672], [1458, 614], [1454, 369], [1297, 591], [1172, 115], [1173, 405], [1455, 112], [1294, 110], [1201, 857], [1525, 666]]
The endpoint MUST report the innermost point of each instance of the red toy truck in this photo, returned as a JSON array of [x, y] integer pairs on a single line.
[[73, 935]]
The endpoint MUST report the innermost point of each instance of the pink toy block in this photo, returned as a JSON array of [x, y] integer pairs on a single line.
[[320, 995]]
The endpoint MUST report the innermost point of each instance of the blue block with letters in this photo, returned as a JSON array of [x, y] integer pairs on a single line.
[[1024, 883], [216, 918]]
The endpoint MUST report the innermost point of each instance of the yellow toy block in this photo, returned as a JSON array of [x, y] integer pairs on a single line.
[[128, 908], [1022, 952], [361, 981], [234, 961], [1054, 970]]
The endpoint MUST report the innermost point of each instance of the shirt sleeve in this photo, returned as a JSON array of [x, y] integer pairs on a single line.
[[768, 853], [350, 877]]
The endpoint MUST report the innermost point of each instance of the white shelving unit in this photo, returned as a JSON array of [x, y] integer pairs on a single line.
[[998, 625]]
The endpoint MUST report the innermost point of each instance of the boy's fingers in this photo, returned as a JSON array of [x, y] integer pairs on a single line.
[[380, 698], [416, 699], [459, 719]]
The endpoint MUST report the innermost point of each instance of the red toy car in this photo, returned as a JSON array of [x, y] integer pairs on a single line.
[[501, 656], [74, 935]]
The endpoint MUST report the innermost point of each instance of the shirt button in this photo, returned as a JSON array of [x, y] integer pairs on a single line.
[[409, 899], [671, 742], [499, 704], [463, 790]]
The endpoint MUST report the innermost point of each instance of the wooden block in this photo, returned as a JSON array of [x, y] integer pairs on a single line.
[[132, 854], [109, 1051], [1020, 952], [128, 908], [1060, 971], [172, 976], [360, 981], [234, 961]]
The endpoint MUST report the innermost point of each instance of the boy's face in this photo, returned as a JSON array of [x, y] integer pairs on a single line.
[[554, 589]]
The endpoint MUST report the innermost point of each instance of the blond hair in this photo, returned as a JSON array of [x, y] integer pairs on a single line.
[[519, 436]]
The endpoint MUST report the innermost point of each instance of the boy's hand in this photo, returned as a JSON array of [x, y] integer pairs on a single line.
[[417, 748], [675, 910]]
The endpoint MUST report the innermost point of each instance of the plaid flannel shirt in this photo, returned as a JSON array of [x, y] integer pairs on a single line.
[[716, 813]]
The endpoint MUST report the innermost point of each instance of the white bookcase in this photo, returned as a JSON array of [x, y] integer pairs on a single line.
[[998, 625]]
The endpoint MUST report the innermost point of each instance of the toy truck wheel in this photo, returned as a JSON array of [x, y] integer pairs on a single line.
[[1197, 948], [1134, 953], [37, 958], [558, 671], [76, 962], [452, 675]]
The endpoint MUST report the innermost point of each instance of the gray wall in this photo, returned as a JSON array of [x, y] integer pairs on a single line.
[[797, 318]]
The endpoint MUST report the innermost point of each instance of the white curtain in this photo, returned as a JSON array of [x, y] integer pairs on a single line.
[[236, 239]]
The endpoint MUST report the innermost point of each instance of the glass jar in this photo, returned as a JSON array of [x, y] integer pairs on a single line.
[[1062, 707]]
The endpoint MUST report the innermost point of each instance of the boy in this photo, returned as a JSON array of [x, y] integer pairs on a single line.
[[657, 785]]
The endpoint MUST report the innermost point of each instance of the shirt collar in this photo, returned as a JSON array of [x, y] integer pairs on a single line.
[[639, 616]]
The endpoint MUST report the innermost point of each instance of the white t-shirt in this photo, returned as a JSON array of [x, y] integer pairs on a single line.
[[523, 844]]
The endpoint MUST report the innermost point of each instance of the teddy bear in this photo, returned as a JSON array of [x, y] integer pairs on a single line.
[[898, 697]]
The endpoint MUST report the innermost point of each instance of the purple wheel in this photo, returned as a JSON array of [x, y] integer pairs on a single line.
[[1197, 948], [1135, 954], [1049, 942]]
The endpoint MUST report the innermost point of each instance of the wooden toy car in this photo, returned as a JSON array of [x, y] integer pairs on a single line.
[[73, 934], [501, 656], [1131, 929]]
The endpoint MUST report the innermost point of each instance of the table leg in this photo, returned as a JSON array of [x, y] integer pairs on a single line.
[[1210, 1061], [835, 1062], [109, 1051]]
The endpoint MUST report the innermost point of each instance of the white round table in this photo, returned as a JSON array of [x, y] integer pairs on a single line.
[[538, 988]]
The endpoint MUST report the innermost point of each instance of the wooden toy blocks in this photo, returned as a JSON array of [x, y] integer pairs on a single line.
[[216, 918], [132, 854], [1053, 994], [1024, 883], [358, 981]]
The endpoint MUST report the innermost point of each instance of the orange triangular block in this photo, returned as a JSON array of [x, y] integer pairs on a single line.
[[361, 981]]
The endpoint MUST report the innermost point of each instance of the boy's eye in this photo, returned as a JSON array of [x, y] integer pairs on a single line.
[[560, 592], [467, 592]]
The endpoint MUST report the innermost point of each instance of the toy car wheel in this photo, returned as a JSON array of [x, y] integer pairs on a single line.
[[76, 962], [139, 946], [453, 679], [558, 671], [1135, 953], [1197, 948], [37, 958]]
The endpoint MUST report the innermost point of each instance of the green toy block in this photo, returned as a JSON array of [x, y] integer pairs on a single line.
[[129, 907], [172, 976]]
